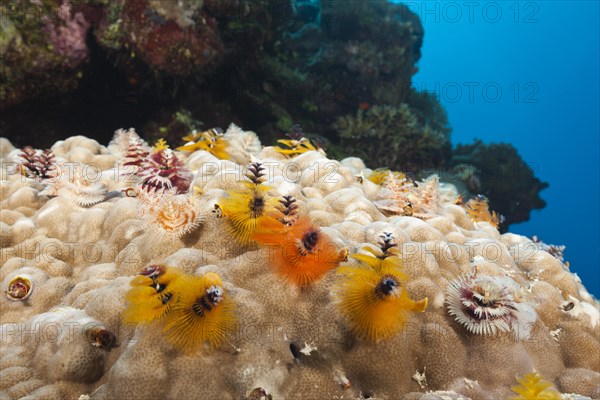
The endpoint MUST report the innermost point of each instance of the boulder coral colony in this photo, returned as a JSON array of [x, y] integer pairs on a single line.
[[230, 270]]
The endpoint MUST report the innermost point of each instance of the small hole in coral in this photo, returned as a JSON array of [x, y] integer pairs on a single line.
[[295, 351]]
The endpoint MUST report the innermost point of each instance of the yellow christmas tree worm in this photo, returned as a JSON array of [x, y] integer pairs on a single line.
[[479, 211], [247, 208], [211, 141], [152, 294], [203, 313], [160, 144], [372, 296], [297, 144], [533, 387], [381, 175]]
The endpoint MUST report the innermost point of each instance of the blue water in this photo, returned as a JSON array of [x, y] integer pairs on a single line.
[[527, 73]]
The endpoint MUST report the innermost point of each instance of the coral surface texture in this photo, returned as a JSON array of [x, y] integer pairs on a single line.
[[225, 269]]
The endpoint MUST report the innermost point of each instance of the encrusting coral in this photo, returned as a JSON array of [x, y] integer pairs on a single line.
[[428, 304]]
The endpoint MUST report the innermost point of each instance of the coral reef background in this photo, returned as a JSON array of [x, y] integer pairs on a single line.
[[521, 52]]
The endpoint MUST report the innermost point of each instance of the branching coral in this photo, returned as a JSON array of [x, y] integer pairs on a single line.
[[373, 296], [394, 137], [533, 387], [487, 305]]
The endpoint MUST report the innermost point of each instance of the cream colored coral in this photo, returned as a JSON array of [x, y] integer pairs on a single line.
[[82, 259]]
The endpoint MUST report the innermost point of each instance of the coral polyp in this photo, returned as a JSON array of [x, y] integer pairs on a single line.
[[532, 386], [372, 296], [19, 288], [203, 313], [487, 305]]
